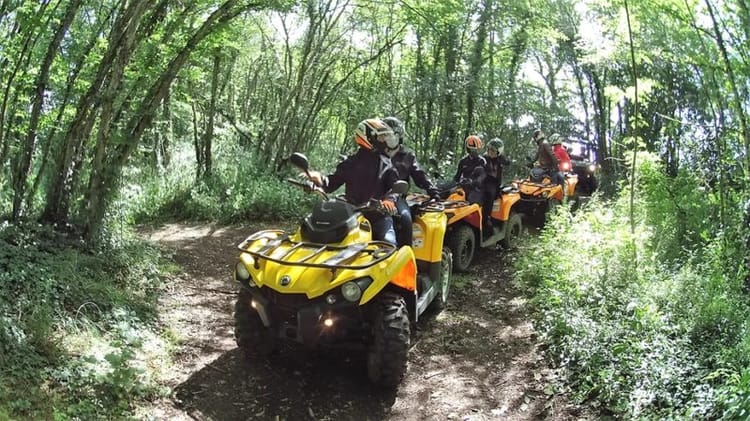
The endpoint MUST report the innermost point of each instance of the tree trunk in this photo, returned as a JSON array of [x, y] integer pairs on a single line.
[[475, 65], [143, 116], [448, 130], [737, 100], [582, 95], [4, 140], [24, 163], [65, 182], [197, 143], [168, 133], [127, 40], [49, 146], [209, 133]]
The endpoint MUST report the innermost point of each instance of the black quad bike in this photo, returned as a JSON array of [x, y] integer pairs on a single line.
[[583, 156]]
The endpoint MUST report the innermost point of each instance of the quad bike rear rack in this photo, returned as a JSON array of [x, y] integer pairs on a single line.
[[377, 250]]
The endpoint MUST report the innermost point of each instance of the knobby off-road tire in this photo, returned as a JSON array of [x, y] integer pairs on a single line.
[[251, 335], [387, 357], [513, 231], [444, 285], [462, 244]]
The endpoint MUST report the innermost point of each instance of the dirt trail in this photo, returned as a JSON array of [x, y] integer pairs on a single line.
[[478, 360]]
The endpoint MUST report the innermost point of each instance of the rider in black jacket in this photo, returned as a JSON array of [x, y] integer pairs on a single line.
[[405, 162], [471, 170], [496, 162], [367, 174]]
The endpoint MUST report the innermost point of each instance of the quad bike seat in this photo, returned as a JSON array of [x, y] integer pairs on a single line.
[[329, 222]]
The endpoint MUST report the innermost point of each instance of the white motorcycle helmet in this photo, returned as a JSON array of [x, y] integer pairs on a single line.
[[399, 132], [497, 146]]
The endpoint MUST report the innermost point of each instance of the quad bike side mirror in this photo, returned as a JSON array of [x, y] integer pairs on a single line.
[[300, 161]]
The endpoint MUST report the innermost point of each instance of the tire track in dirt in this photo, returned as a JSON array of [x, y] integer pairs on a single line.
[[477, 360]]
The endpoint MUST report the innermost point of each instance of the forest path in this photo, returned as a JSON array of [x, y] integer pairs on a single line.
[[477, 360]]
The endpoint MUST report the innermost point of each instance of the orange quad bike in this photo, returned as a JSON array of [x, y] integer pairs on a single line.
[[465, 228], [329, 284], [539, 196]]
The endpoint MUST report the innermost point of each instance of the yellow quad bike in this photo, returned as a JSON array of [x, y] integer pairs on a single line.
[[539, 196], [330, 284], [466, 230]]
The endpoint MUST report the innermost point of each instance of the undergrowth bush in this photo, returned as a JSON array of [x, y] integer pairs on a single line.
[[73, 322], [237, 191], [650, 323]]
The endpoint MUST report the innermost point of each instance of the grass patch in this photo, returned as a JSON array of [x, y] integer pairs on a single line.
[[78, 334]]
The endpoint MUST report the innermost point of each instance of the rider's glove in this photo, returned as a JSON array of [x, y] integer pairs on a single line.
[[388, 206], [434, 195]]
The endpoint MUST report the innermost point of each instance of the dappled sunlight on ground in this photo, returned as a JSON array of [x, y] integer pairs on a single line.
[[478, 360]]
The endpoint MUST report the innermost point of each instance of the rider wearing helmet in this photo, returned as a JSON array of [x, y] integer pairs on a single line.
[[471, 169], [472, 160], [367, 174], [546, 157], [496, 161], [564, 163], [405, 162]]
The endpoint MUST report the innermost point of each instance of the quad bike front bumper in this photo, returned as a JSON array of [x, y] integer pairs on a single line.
[[311, 322]]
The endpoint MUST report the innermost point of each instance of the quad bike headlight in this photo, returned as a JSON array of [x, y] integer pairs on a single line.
[[351, 291], [592, 168], [242, 274]]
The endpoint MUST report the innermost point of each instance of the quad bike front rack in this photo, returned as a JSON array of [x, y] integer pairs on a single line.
[[376, 250]]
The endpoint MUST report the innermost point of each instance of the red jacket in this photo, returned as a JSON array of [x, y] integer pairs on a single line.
[[563, 158]]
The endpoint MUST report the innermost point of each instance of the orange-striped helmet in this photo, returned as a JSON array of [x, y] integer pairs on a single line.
[[372, 134], [473, 143]]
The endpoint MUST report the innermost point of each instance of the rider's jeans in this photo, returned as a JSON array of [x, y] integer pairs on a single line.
[[404, 233], [382, 229]]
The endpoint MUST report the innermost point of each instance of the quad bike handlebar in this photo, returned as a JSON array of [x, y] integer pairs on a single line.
[[308, 186], [371, 205]]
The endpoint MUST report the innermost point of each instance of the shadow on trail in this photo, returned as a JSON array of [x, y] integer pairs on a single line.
[[291, 385]]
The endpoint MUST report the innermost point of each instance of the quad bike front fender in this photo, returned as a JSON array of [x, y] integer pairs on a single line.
[[399, 270], [470, 213], [503, 205]]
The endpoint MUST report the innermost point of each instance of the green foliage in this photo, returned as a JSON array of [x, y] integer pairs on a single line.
[[237, 191], [72, 324], [679, 210], [646, 325]]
